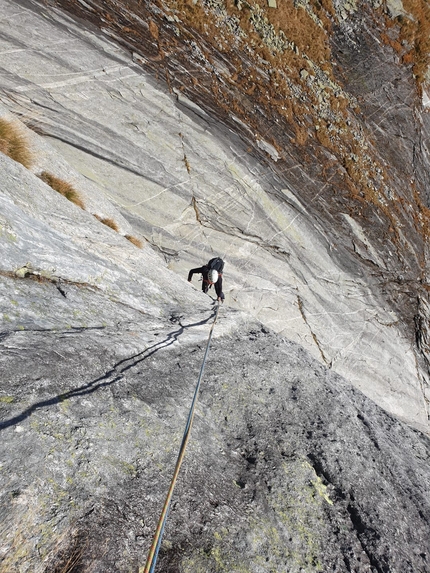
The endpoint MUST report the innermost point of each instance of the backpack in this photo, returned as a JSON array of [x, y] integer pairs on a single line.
[[216, 264]]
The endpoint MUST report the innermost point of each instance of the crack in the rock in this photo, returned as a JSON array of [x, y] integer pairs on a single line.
[[61, 290], [38, 276], [196, 210], [185, 159], [369, 431], [302, 312], [361, 530]]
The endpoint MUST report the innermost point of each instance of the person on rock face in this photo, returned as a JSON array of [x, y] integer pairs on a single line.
[[211, 275]]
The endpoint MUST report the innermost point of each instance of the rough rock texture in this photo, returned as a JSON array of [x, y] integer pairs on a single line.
[[300, 458], [289, 467], [311, 251]]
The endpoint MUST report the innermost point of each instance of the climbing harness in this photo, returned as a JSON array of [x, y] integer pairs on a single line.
[[153, 552]]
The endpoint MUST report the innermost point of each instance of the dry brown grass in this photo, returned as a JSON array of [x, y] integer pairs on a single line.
[[62, 187], [299, 27], [301, 134], [421, 215], [396, 45], [137, 242], [408, 58], [153, 29], [328, 7], [14, 143], [416, 31], [70, 554], [108, 221], [260, 26]]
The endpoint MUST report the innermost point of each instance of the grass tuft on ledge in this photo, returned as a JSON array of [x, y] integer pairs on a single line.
[[137, 242], [14, 143], [108, 221], [62, 187]]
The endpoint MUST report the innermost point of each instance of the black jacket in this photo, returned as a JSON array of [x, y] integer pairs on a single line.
[[204, 271]]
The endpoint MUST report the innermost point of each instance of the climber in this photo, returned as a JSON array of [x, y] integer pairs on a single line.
[[212, 275]]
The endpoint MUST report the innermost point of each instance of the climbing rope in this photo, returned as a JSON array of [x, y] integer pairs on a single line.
[[153, 552]]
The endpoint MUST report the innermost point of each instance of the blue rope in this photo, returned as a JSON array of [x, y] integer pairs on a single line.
[[155, 547]]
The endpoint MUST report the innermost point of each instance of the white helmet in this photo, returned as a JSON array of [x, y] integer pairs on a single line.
[[213, 276]]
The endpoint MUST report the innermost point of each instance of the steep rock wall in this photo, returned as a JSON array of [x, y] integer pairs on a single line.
[[290, 467], [311, 252]]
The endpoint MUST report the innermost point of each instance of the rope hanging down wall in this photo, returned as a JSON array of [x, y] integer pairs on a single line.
[[153, 552]]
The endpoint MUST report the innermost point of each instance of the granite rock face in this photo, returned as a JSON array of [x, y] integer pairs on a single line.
[[310, 450], [289, 467], [308, 252]]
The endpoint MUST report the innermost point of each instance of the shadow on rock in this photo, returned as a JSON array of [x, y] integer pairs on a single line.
[[115, 374]]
